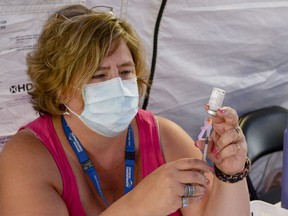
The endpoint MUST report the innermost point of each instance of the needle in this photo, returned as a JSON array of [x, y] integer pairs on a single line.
[[208, 131]]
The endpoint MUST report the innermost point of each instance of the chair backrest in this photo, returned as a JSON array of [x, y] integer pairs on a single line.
[[264, 129]]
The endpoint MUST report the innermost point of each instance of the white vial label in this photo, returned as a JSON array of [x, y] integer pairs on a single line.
[[216, 100]]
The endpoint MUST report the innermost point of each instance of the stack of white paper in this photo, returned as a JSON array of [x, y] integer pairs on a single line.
[[260, 208]]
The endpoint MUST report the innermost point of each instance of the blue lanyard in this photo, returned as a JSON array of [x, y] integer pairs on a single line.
[[89, 167]]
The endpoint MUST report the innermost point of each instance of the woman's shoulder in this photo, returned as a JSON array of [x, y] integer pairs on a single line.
[[24, 142], [175, 141], [24, 155], [25, 145], [42, 123], [28, 170], [23, 148]]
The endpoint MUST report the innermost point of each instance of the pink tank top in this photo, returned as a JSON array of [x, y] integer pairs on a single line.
[[150, 150]]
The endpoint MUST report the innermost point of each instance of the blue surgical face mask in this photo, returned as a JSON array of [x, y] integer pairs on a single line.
[[109, 106]]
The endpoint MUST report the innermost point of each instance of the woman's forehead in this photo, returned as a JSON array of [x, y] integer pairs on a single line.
[[120, 55]]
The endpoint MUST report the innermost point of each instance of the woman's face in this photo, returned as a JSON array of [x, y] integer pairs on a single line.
[[118, 64]]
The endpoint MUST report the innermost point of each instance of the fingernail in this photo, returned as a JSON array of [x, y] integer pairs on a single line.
[[211, 169], [221, 110], [207, 106], [207, 181], [214, 149]]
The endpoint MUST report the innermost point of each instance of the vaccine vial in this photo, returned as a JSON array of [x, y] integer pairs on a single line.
[[216, 100]]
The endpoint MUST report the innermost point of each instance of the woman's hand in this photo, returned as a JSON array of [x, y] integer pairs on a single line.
[[161, 192], [227, 147]]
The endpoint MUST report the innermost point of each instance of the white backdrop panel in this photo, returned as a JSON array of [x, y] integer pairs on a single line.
[[20, 25]]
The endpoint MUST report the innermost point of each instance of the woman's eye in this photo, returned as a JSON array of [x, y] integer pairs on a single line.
[[126, 72], [98, 76]]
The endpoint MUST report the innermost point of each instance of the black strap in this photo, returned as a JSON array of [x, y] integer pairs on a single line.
[[154, 55]]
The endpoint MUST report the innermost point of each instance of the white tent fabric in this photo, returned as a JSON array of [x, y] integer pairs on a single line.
[[239, 46]]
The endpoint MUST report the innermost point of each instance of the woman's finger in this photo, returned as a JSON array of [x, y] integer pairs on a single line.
[[233, 135], [196, 178], [193, 190], [193, 177], [191, 164], [188, 201], [229, 151], [226, 114]]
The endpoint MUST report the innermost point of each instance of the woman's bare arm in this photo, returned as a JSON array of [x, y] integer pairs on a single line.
[[29, 181]]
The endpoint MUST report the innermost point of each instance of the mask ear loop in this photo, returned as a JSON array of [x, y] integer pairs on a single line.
[[68, 113], [68, 110]]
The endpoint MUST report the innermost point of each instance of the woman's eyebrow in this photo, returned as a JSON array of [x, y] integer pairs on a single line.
[[102, 68], [125, 64], [129, 63]]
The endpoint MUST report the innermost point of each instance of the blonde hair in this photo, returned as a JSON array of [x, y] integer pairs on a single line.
[[70, 50]]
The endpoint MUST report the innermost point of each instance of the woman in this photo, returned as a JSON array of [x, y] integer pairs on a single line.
[[94, 152]]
